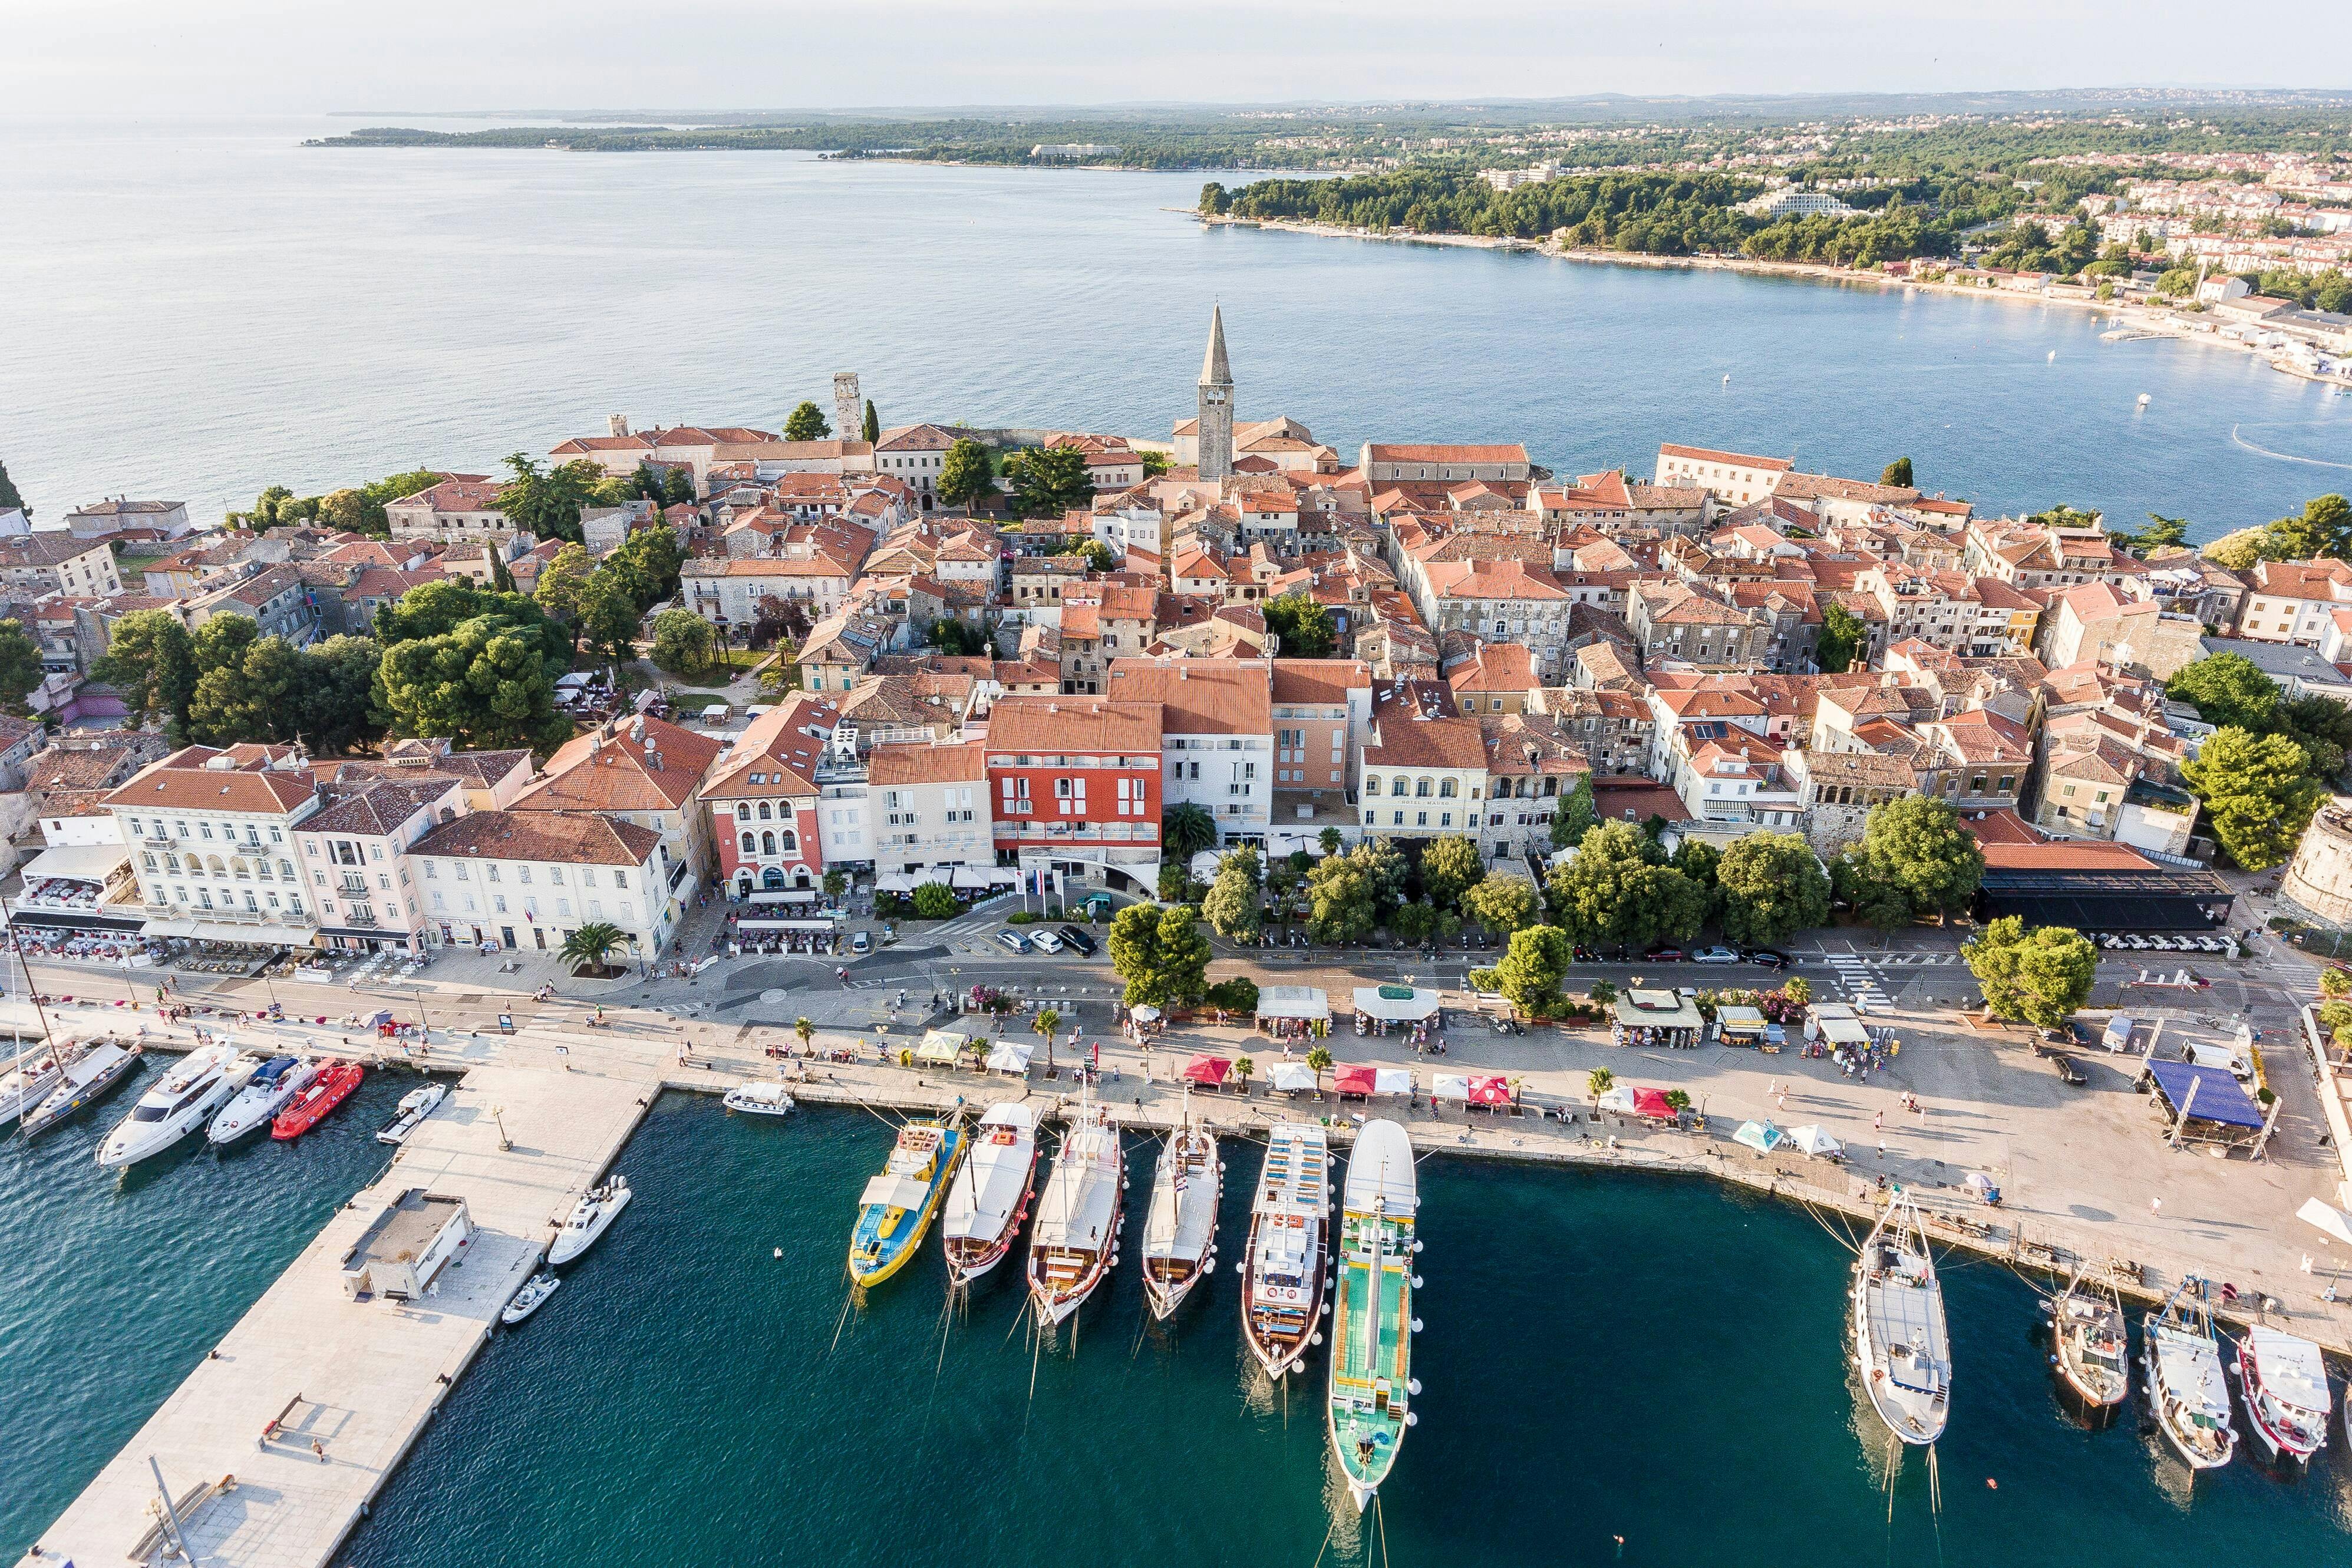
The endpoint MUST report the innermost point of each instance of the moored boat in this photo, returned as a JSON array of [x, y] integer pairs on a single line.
[[2285, 1384], [333, 1085], [414, 1108], [87, 1080], [1372, 1325], [30, 1078], [760, 1097], [177, 1103], [1179, 1233], [269, 1091], [530, 1298], [1901, 1343], [2183, 1362], [1073, 1245], [897, 1206], [597, 1207], [989, 1196], [1283, 1270], [2086, 1329]]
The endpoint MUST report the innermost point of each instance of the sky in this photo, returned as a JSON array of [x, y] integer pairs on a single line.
[[248, 57]]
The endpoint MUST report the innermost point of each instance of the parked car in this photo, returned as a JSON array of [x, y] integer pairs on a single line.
[[1715, 955], [1664, 955], [1074, 937], [1045, 941], [861, 942], [1012, 941], [1767, 957]]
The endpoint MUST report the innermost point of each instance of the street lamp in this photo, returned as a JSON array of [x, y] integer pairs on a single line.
[[499, 1114]]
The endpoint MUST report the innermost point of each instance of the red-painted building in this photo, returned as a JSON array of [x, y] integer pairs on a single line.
[[1075, 785], [763, 799]]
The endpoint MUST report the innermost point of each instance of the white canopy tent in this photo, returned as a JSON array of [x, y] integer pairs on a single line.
[[1811, 1139], [943, 1045], [970, 877], [1291, 1077], [1308, 1002], [1383, 1002], [1618, 1097], [1010, 1056], [894, 882], [1392, 1081], [1843, 1031]]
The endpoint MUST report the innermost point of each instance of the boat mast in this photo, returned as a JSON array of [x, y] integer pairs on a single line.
[[47, 1039]]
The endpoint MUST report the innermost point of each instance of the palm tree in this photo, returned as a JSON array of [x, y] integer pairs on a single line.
[[1597, 1082], [805, 1030], [1186, 830], [1319, 1058], [1241, 1069], [1049, 1024], [588, 946]]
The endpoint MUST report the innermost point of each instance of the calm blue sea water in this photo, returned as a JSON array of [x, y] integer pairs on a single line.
[[1602, 1355], [201, 310]]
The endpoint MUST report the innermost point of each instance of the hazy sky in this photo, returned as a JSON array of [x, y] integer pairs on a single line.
[[247, 57]]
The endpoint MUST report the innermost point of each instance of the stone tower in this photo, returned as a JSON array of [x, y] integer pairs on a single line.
[[849, 408], [1216, 402]]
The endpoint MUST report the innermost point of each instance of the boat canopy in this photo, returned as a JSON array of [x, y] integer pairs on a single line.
[[1308, 1002], [1353, 1080], [1010, 1056], [2219, 1097], [1381, 1166], [895, 1192], [943, 1045], [2292, 1372], [1289, 1077], [1762, 1136], [1208, 1070], [1651, 1102], [1812, 1139], [1394, 1004]]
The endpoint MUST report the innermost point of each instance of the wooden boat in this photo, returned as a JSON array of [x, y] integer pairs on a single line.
[[2086, 1327], [2183, 1362], [989, 1197], [337, 1078], [87, 1080], [1372, 1328], [1900, 1340], [1284, 1270], [1073, 1245], [2286, 1385], [897, 1206], [31, 1077], [1179, 1233]]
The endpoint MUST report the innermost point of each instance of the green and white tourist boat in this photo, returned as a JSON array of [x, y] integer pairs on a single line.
[[1372, 1329]]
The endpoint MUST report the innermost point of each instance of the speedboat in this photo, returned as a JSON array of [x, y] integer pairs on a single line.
[[2183, 1361], [87, 1080], [1074, 1246], [409, 1116], [1283, 1273], [2285, 1384], [989, 1196], [594, 1211], [1900, 1340], [179, 1103], [29, 1080], [760, 1097], [531, 1297], [895, 1207], [2087, 1327], [269, 1091], [1179, 1233], [337, 1078], [1372, 1330]]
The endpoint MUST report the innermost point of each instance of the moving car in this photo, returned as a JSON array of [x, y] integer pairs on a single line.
[[1045, 941], [1012, 941], [1714, 956], [1074, 937]]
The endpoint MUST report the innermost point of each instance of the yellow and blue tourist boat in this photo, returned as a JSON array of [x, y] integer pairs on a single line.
[[1372, 1328], [895, 1207]]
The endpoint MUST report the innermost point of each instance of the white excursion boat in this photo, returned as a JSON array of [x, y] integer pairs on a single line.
[[2086, 1325], [2183, 1362], [988, 1196], [1180, 1234], [1372, 1386], [760, 1097], [1284, 1270], [2285, 1384], [414, 1106], [531, 1297], [31, 1076], [1075, 1243], [180, 1102], [594, 1211], [87, 1079], [1900, 1340], [272, 1088]]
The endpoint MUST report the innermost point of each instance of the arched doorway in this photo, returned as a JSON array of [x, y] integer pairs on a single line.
[[743, 886], [772, 878]]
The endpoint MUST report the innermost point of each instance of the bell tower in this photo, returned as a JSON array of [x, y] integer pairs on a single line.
[[1216, 404]]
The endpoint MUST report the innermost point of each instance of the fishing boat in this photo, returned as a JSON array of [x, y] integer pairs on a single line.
[[2086, 1323], [1179, 1233], [1372, 1328], [2183, 1362], [1075, 1243], [337, 1078], [178, 1103], [32, 1075], [2285, 1384], [414, 1108], [269, 1091], [1283, 1272], [989, 1197], [897, 1206], [760, 1097], [597, 1207], [1900, 1340], [531, 1297], [87, 1080]]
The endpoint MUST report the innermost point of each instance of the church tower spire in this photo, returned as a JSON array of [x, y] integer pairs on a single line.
[[1216, 402]]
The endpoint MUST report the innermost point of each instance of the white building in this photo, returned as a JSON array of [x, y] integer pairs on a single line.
[[529, 880], [931, 810]]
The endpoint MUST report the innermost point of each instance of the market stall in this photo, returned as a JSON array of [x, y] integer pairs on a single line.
[[1209, 1071], [1657, 1018], [1740, 1026], [1292, 1078], [1380, 1008], [1651, 1102], [1294, 1012], [1010, 1056], [942, 1047]]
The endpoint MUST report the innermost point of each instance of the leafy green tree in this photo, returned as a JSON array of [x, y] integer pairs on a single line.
[[20, 664], [957, 638], [1097, 554], [1599, 1081], [1340, 904], [1877, 901], [501, 579], [609, 620], [1698, 860], [807, 423], [336, 702], [1185, 830], [2325, 530], [2227, 689], [1304, 623], [232, 703], [1773, 886], [563, 581], [1213, 200], [1319, 1062], [1502, 904], [645, 565], [1843, 636], [2256, 794], [935, 901], [1917, 847], [587, 947], [1048, 481], [2041, 977], [436, 609], [2161, 533], [1530, 970], [1233, 907], [484, 683], [684, 644], [1411, 922], [1331, 839], [677, 486], [1160, 953], [1613, 895], [1897, 474], [9, 497], [1386, 870], [1048, 1025], [1449, 867], [345, 510], [873, 431], [546, 503], [966, 479], [150, 659], [1576, 815], [805, 1029]]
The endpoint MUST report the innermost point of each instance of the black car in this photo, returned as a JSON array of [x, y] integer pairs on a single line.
[[1764, 956], [1078, 939]]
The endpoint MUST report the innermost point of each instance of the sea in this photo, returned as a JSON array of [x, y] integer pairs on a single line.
[[193, 310]]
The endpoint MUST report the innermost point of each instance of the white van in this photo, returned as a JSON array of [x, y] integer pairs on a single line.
[[2236, 1063]]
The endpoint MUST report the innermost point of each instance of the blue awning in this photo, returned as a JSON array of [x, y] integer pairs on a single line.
[[2220, 1098]]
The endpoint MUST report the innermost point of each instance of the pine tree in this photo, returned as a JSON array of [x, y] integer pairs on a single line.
[[873, 423], [10, 498]]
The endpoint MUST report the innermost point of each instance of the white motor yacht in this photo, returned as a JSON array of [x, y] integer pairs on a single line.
[[269, 1091], [1900, 1340], [409, 1116], [590, 1216], [760, 1097], [180, 1102]]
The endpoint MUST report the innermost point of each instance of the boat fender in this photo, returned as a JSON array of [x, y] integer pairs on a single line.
[[1412, 1386], [1315, 1339], [1412, 1418], [1220, 1167], [1210, 1267], [1416, 1326], [1325, 1309], [1419, 1244], [1416, 1282]]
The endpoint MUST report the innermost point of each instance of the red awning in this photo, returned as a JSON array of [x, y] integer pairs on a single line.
[[1208, 1070], [1651, 1102], [1491, 1091], [1354, 1080]]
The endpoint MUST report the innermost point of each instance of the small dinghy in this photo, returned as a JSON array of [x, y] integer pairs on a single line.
[[594, 1211], [760, 1097], [531, 1297], [414, 1106]]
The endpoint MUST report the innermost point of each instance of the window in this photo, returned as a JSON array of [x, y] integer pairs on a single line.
[[742, 812], [432, 871], [522, 874], [1421, 819], [490, 872], [555, 875], [620, 878], [461, 871]]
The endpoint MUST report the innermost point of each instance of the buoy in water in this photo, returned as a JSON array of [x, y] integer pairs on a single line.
[[1991, 1485], [2053, 357], [779, 1252]]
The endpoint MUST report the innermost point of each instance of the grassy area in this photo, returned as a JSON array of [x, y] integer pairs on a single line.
[[724, 672]]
